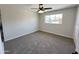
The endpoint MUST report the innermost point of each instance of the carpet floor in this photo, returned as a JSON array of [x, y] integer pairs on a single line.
[[40, 43]]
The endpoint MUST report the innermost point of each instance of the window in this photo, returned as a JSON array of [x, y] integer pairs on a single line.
[[54, 19]]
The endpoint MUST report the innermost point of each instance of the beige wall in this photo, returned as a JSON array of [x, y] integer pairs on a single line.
[[18, 20], [64, 29]]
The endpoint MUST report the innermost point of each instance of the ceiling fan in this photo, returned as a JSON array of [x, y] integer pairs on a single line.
[[41, 8]]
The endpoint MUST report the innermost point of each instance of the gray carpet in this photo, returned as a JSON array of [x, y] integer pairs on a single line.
[[40, 43]]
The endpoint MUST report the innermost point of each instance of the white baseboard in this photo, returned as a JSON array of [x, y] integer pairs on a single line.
[[33, 32], [56, 34], [19, 36]]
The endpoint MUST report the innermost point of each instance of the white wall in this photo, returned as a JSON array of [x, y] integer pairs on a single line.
[[76, 38], [66, 28], [18, 20]]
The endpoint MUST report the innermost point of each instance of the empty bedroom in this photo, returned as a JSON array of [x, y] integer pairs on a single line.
[[39, 28]]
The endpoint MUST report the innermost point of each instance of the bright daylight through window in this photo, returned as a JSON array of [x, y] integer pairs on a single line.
[[54, 19]]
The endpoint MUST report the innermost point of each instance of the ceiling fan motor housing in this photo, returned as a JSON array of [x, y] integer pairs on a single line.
[[41, 7]]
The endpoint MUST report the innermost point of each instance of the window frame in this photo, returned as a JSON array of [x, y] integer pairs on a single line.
[[51, 22]]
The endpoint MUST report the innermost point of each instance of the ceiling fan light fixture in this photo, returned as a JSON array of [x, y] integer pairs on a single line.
[[40, 11]]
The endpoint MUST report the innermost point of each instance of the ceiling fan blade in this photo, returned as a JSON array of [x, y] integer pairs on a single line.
[[47, 8], [34, 8]]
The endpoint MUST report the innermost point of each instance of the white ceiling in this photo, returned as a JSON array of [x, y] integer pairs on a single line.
[[54, 6]]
